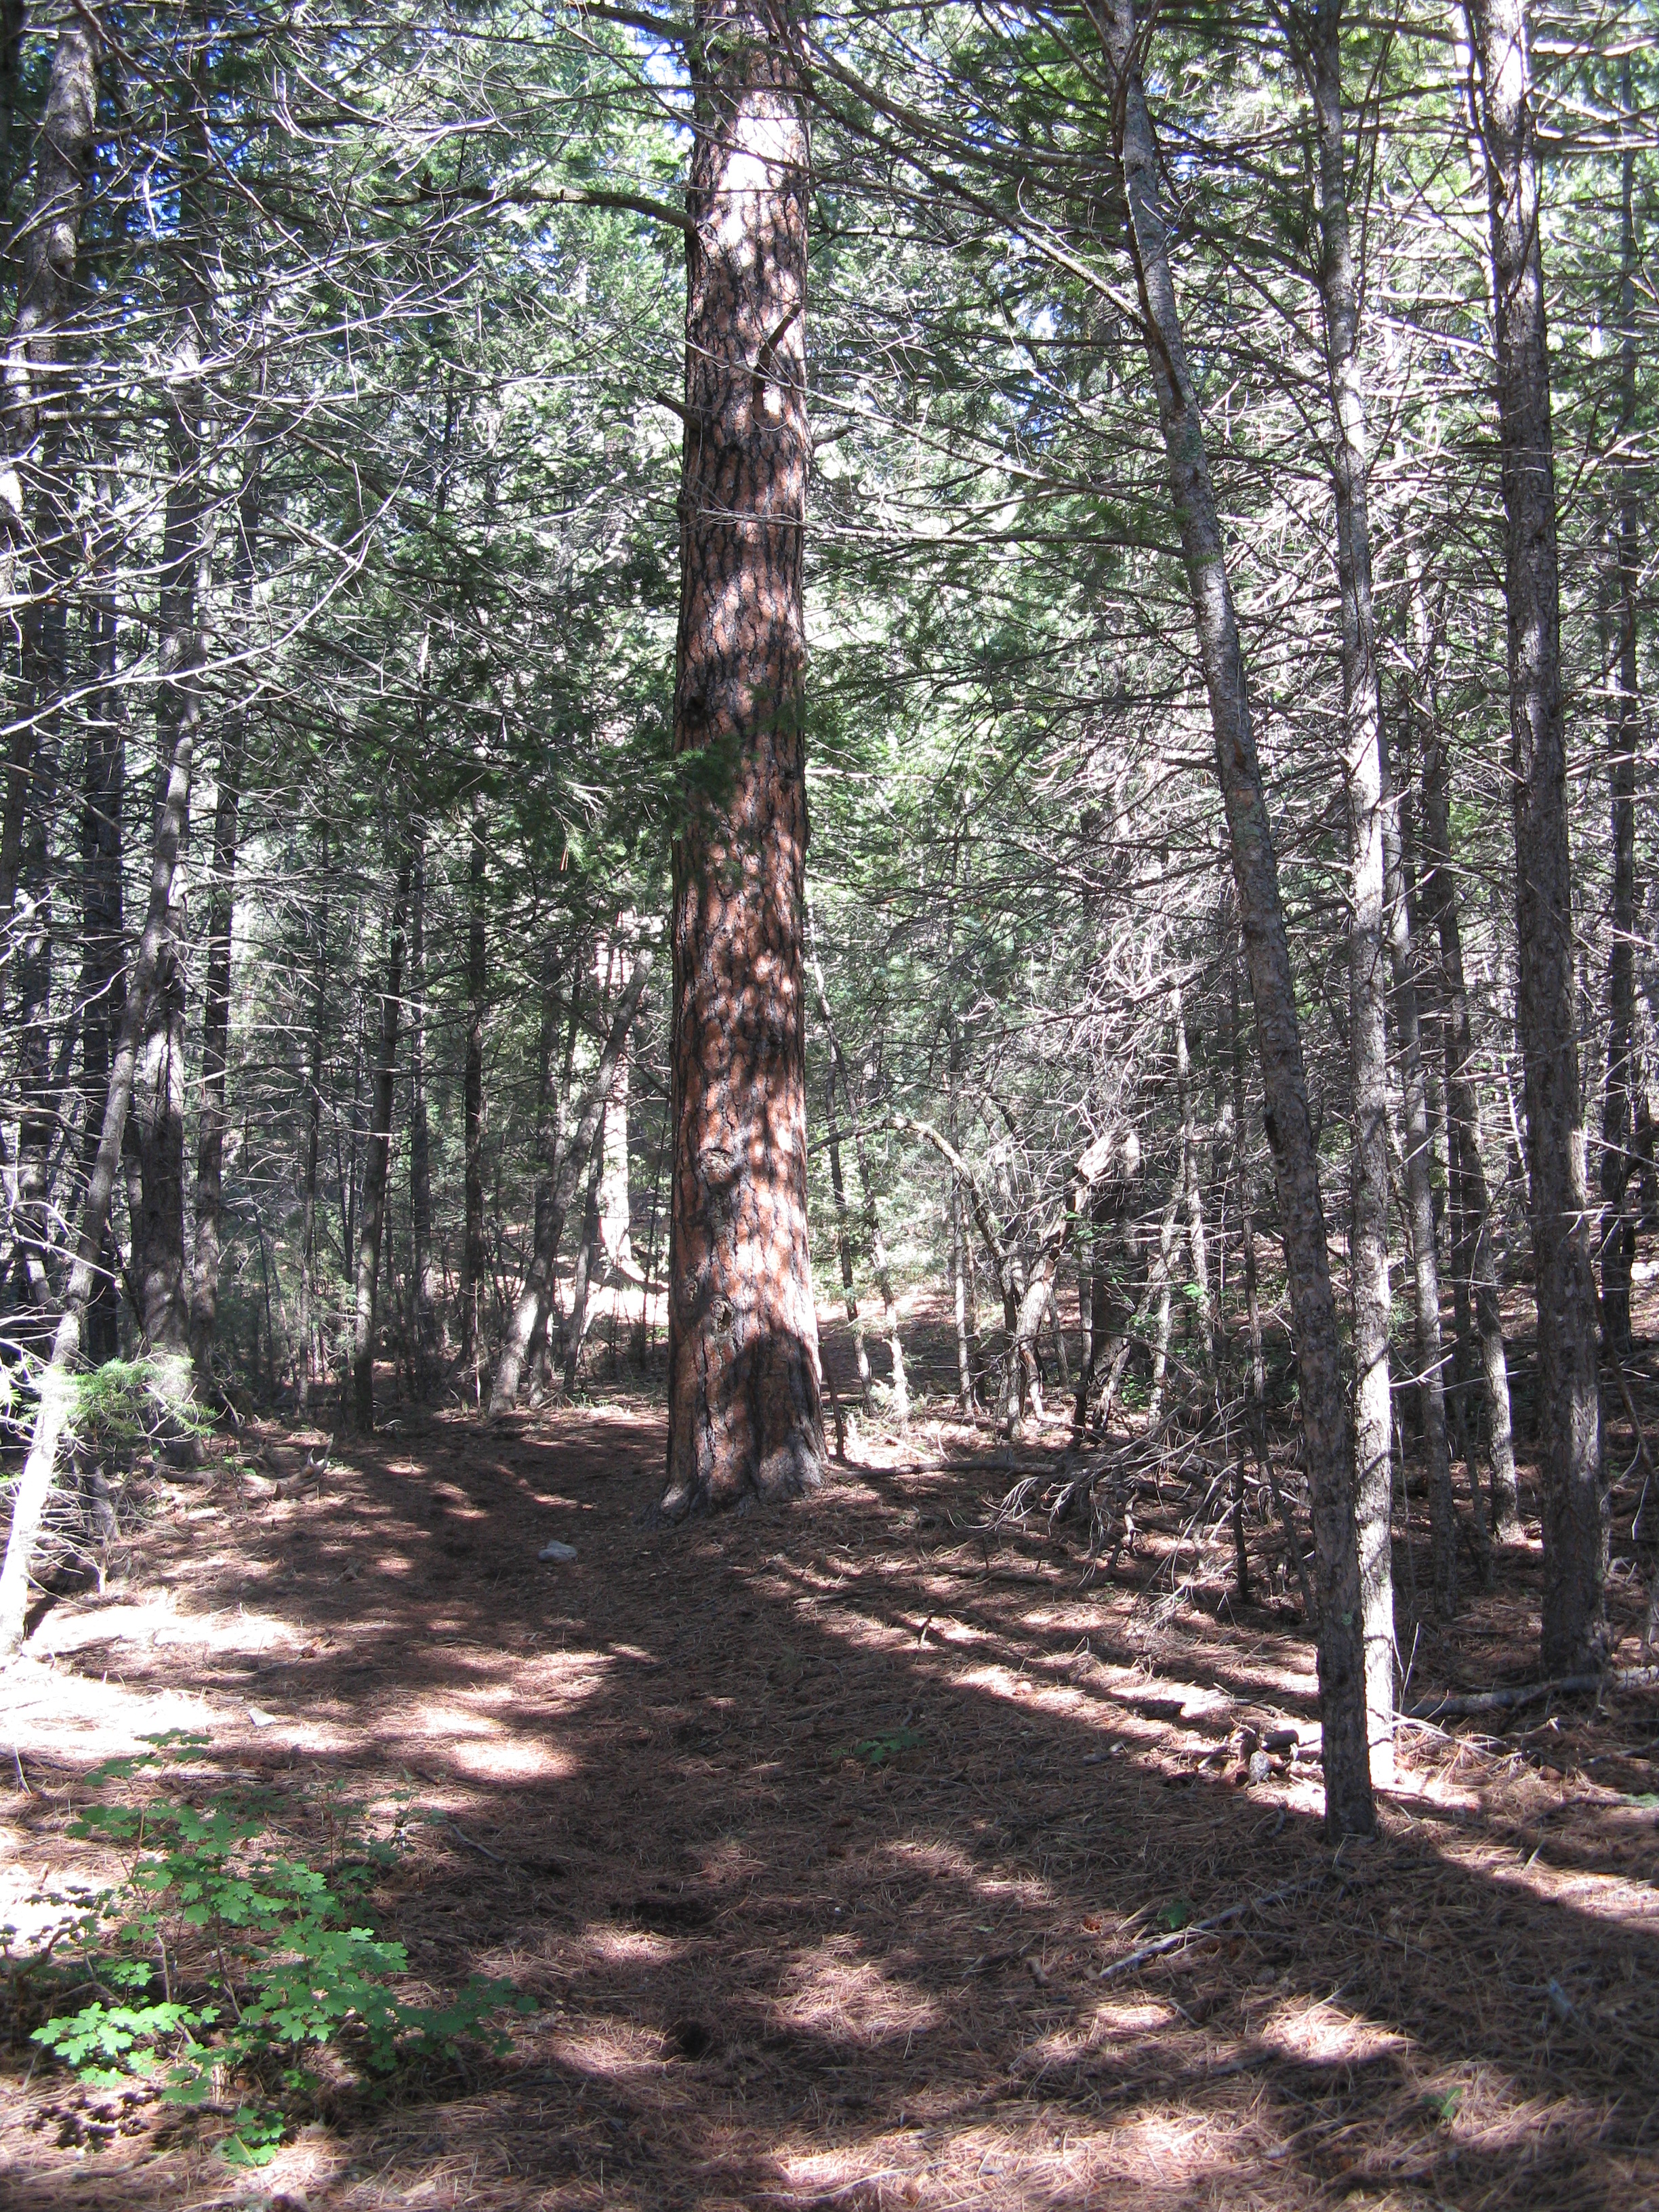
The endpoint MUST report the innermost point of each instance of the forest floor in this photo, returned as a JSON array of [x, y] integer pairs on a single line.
[[812, 1831]]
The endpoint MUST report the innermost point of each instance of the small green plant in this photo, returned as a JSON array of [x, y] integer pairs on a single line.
[[219, 1958], [876, 1750]]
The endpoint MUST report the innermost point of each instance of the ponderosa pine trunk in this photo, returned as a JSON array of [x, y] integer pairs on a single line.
[[744, 1411], [474, 1262], [529, 1318], [1618, 1163], [1575, 1503], [216, 988], [377, 1161], [56, 1398], [1349, 1808]]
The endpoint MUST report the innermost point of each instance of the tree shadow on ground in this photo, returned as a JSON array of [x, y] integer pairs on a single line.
[[811, 1831]]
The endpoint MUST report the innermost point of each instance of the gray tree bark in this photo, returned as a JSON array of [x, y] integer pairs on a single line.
[[1349, 1808], [58, 1388], [1368, 1248], [377, 1160], [215, 991], [1618, 1218], [1574, 1633], [529, 1315]]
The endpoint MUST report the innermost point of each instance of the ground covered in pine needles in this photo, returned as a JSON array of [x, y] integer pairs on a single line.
[[816, 1834]]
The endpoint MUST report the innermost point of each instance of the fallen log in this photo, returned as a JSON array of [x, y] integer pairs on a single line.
[[1460, 1703]]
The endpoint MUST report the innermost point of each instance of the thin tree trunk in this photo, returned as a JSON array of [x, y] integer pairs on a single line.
[[423, 1267], [873, 1239], [215, 993], [314, 1137], [102, 972], [961, 1262], [581, 1281], [1473, 1265], [57, 1387], [843, 1231], [158, 1233], [474, 1259], [1574, 1502], [1342, 1686], [1619, 1219], [744, 1413], [1192, 1188], [1419, 1195], [530, 1316], [1363, 783], [377, 1159], [32, 493]]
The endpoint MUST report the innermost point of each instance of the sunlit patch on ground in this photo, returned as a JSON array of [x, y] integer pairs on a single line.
[[811, 1835]]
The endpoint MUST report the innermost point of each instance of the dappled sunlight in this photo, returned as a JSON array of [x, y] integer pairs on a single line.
[[845, 1997], [813, 1860]]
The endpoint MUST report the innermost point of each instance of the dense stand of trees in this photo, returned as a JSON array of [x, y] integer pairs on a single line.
[[1164, 495]]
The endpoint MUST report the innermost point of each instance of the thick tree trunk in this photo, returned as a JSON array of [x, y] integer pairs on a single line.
[[1419, 1199], [1348, 1803], [58, 1383], [1368, 1248], [745, 1414], [1618, 1218], [377, 1160], [529, 1315], [1574, 1502], [215, 991], [474, 1259]]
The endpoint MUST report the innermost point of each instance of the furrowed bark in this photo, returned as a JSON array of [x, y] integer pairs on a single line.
[[1574, 1632], [377, 1160], [56, 1401], [744, 1411], [1349, 1808]]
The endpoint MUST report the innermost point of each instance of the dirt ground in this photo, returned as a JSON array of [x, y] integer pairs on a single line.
[[812, 1832]]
